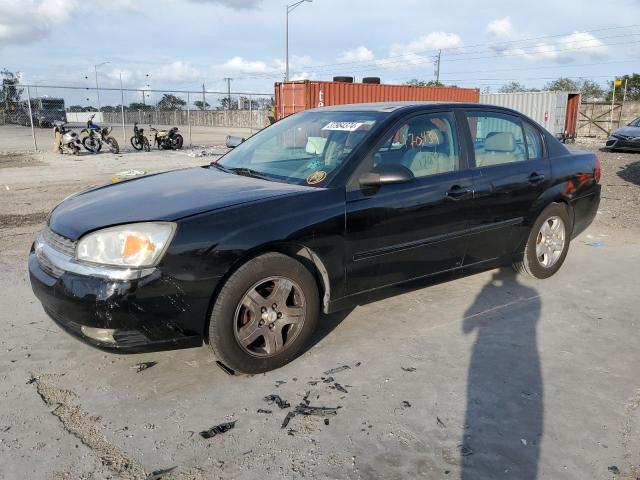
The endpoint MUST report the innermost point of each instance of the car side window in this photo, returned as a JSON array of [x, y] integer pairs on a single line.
[[497, 138], [425, 144], [534, 141]]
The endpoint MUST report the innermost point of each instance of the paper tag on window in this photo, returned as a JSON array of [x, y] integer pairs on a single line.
[[343, 126]]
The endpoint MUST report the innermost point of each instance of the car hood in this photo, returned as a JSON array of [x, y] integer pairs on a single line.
[[161, 197], [628, 131]]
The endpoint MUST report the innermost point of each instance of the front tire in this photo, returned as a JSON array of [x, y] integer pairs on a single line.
[[91, 144], [548, 243], [136, 143], [264, 314], [113, 145], [177, 142]]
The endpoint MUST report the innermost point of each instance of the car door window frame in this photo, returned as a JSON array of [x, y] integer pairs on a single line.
[[366, 163], [471, 143]]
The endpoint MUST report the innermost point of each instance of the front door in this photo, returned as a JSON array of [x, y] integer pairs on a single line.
[[403, 231]]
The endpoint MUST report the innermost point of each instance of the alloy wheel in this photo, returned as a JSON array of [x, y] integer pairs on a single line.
[[550, 241], [269, 316]]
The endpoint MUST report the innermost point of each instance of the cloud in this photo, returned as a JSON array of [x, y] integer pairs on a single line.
[[176, 72], [564, 50], [235, 4], [240, 65], [413, 53], [358, 54], [26, 21]]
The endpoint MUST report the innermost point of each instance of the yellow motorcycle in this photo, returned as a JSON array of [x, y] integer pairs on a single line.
[[167, 139]]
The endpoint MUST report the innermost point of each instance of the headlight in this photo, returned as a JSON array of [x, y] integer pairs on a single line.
[[132, 245]]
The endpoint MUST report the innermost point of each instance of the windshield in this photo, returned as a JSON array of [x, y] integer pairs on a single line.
[[635, 123], [304, 148]]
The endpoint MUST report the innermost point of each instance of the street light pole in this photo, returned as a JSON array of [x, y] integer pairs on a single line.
[[95, 68], [290, 8]]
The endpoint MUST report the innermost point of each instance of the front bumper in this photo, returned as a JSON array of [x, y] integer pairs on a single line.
[[140, 315], [623, 143]]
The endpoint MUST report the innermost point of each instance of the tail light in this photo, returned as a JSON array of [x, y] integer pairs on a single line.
[[597, 171]]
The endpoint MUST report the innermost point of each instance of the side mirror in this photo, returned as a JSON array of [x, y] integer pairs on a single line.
[[233, 142], [387, 174]]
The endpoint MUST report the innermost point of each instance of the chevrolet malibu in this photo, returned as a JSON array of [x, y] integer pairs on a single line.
[[309, 216]]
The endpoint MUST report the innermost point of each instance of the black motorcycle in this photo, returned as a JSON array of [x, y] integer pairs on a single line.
[[139, 141], [167, 139], [95, 136]]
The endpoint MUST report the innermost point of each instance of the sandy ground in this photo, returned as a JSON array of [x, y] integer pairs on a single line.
[[484, 377]]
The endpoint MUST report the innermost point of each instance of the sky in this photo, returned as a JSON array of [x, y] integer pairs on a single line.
[[183, 44]]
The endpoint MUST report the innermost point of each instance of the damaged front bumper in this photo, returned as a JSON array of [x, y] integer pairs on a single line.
[[127, 312]]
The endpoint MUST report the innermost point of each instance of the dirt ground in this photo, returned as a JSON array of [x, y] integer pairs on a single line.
[[488, 376]]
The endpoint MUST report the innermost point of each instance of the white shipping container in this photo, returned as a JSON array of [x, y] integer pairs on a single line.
[[549, 109]]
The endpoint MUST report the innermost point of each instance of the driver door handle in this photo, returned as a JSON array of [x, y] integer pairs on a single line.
[[535, 178], [456, 192]]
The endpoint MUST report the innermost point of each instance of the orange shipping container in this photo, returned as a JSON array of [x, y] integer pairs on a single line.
[[292, 97]]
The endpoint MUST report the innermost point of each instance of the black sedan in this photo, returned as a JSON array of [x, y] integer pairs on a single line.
[[309, 216], [625, 138]]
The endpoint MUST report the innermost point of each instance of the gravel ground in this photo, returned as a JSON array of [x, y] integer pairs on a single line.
[[620, 200]]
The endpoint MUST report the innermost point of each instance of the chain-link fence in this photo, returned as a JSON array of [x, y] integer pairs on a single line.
[[203, 118]]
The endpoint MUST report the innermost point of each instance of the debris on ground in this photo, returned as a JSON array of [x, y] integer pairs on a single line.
[[326, 421], [262, 410], [337, 369], [440, 422], [287, 419], [273, 398], [306, 410], [127, 174], [613, 469], [218, 429], [139, 367], [465, 451], [408, 369], [158, 474], [338, 387], [280, 382], [596, 243], [406, 404]]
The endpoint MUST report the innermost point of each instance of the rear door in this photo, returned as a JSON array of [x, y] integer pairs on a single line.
[[511, 171], [404, 231]]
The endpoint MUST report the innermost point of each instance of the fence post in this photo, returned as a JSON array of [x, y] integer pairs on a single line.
[[124, 135], [33, 132], [250, 116], [189, 116]]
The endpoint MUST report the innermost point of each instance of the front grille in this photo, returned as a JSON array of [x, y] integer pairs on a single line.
[[60, 243]]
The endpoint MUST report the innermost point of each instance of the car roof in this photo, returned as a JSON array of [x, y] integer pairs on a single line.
[[389, 107]]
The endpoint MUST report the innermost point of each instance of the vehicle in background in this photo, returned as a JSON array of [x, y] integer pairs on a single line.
[[311, 214], [44, 111], [167, 139], [625, 138], [69, 140], [139, 141], [95, 136]]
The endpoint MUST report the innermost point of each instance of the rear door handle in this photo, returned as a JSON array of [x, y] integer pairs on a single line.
[[457, 192], [535, 178]]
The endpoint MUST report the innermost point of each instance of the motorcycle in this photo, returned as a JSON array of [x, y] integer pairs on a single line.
[[69, 140], [139, 141], [96, 136], [166, 140]]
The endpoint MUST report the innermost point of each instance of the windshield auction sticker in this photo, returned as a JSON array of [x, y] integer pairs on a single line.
[[316, 177], [343, 126]]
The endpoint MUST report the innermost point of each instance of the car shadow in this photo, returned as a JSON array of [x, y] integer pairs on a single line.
[[504, 415], [631, 173]]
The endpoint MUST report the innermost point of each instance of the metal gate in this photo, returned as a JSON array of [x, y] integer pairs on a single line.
[[598, 118]]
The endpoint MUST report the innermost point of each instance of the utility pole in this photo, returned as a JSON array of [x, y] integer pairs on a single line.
[[228, 80], [204, 102], [438, 67], [290, 8], [95, 68]]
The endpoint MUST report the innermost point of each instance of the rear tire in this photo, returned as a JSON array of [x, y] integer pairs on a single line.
[[548, 243], [177, 142], [252, 329]]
